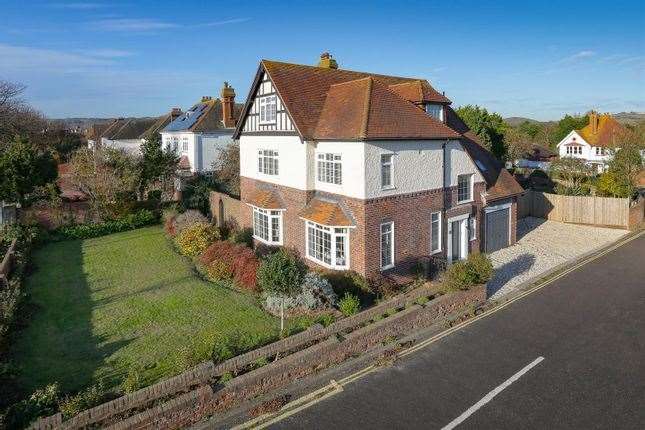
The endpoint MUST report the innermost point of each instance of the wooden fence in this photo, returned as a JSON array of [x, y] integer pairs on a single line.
[[602, 211]]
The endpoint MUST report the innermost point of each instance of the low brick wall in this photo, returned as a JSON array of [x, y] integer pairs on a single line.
[[226, 210], [6, 265]]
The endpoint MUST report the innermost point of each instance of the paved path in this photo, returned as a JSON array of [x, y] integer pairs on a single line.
[[543, 245], [570, 356]]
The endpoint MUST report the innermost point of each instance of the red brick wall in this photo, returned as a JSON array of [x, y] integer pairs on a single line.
[[410, 214]]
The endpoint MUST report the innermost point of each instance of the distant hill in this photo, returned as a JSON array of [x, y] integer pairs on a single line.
[[623, 117]]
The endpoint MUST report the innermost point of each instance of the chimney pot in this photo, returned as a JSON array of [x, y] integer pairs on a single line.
[[327, 61]]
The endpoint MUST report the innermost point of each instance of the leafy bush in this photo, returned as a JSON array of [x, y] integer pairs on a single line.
[[196, 195], [244, 236], [188, 218], [326, 320], [86, 399], [138, 219], [480, 267], [219, 270], [241, 259], [315, 293], [349, 282], [43, 402], [349, 304], [462, 275], [195, 238], [280, 274]]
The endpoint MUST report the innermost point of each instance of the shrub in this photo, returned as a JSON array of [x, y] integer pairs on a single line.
[[241, 259], [41, 403], [349, 304], [315, 293], [138, 219], [458, 277], [349, 282], [480, 267], [280, 274], [382, 287], [226, 376], [194, 239], [93, 396], [188, 218], [326, 320], [133, 380], [219, 270], [244, 236]]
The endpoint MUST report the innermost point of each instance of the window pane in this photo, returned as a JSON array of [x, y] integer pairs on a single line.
[[386, 245], [275, 229]]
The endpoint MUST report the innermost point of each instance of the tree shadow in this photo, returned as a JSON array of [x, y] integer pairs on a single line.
[[57, 341], [507, 271]]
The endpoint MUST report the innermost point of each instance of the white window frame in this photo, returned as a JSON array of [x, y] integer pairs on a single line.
[[329, 168], [268, 106], [334, 235], [270, 214], [391, 185], [472, 228], [471, 180], [391, 264], [184, 144], [265, 168], [439, 228]]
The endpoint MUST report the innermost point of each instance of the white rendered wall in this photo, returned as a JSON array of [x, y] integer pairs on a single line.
[[292, 162]]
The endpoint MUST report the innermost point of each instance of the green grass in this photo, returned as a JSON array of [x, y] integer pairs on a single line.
[[101, 306]]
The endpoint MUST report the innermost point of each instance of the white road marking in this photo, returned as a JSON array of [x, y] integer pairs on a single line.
[[488, 397]]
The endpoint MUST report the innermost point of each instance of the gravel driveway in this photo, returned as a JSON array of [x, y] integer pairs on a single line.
[[542, 245]]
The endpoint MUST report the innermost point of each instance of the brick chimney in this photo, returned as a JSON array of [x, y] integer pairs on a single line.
[[175, 112], [228, 105], [327, 62], [206, 99], [593, 120]]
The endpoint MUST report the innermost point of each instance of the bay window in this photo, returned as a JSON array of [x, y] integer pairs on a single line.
[[328, 246], [267, 226], [329, 168]]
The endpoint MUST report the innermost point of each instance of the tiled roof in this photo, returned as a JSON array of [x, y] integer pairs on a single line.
[[606, 134], [131, 129], [266, 199], [366, 109], [312, 94], [159, 125], [209, 117], [418, 92], [499, 183], [326, 213]]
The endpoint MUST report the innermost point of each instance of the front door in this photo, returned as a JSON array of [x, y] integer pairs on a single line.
[[457, 239]]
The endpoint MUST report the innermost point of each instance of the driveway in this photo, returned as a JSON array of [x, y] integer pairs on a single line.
[[541, 246]]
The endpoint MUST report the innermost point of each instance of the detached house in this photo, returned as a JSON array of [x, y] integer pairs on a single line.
[[595, 142], [366, 172], [199, 133]]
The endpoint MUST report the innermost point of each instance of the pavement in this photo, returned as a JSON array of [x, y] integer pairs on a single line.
[[568, 356], [541, 246]]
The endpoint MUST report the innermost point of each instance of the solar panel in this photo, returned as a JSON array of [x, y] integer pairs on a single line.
[[188, 119]]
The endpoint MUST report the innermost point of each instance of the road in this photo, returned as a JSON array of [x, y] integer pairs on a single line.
[[570, 356]]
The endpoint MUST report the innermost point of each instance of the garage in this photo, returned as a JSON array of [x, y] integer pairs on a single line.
[[498, 220]]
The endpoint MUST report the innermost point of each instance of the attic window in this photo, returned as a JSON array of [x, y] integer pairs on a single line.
[[435, 111], [268, 109], [480, 165]]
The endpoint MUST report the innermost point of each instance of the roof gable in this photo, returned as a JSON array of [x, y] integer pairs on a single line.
[[607, 133]]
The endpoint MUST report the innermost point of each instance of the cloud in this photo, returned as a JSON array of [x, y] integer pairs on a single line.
[[133, 24], [224, 22], [578, 56], [78, 5], [21, 58]]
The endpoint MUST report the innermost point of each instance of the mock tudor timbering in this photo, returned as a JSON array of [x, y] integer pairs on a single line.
[[366, 172]]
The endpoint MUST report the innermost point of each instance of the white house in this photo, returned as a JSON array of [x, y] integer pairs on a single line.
[[199, 133], [594, 143]]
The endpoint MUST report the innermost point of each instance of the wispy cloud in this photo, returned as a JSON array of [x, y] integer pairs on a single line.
[[224, 22], [77, 5], [578, 56], [20, 58], [133, 24]]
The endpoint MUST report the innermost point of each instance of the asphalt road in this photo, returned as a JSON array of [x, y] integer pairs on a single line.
[[589, 328]]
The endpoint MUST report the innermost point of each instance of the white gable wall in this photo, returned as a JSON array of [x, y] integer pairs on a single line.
[[588, 151]]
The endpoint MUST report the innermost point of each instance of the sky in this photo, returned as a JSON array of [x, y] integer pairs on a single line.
[[537, 59]]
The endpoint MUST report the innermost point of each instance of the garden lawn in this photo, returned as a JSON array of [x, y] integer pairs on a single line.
[[100, 307]]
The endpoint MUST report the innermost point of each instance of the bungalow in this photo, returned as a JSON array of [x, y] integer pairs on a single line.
[[199, 133], [366, 172]]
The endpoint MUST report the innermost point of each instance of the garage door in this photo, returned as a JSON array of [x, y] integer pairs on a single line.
[[497, 230]]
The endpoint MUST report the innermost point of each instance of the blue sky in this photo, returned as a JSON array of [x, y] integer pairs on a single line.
[[539, 59]]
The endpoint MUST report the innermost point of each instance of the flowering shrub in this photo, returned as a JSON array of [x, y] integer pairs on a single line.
[[241, 260], [195, 238], [219, 270], [315, 293], [188, 218]]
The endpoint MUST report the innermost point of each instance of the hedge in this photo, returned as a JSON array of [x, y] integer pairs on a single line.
[[138, 219]]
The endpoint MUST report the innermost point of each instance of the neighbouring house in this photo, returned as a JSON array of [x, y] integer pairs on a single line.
[[129, 133], [366, 172], [539, 157], [199, 133], [595, 142]]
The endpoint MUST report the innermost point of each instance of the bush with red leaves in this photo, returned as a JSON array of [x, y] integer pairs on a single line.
[[240, 258]]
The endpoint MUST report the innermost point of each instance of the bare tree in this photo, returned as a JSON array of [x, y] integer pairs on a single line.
[[16, 117], [227, 168]]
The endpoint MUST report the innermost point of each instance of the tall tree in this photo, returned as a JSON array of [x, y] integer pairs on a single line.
[[517, 143], [23, 168], [489, 127], [566, 125], [157, 165]]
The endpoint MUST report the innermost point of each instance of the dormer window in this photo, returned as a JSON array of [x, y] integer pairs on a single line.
[[435, 110], [268, 109]]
